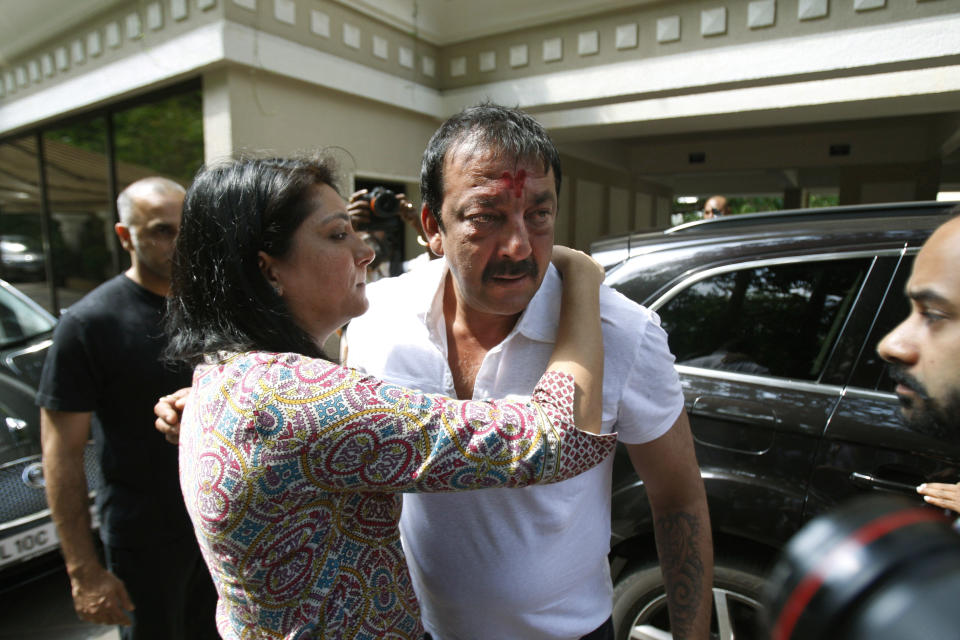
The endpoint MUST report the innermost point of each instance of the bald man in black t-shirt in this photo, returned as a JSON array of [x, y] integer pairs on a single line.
[[103, 374]]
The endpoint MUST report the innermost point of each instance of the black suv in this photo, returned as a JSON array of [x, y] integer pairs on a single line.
[[774, 321]]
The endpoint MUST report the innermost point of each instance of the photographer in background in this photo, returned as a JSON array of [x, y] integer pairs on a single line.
[[380, 213]]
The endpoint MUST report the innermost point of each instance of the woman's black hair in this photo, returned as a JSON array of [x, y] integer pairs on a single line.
[[219, 299]]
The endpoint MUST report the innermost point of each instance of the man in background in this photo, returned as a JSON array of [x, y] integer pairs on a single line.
[[104, 373], [715, 207]]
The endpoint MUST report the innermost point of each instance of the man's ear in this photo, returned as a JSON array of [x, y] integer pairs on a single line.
[[432, 231], [267, 267], [123, 233]]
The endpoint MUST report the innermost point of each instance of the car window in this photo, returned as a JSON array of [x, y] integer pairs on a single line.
[[779, 319], [20, 319], [871, 372]]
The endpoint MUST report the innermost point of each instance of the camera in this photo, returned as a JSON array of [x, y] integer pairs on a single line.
[[384, 206], [879, 568], [384, 230]]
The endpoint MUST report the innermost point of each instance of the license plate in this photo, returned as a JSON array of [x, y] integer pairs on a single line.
[[29, 543]]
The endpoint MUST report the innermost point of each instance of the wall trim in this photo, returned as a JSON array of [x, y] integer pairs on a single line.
[[938, 87], [846, 52], [197, 51], [659, 89]]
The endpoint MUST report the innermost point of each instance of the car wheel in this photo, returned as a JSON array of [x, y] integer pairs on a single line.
[[640, 604]]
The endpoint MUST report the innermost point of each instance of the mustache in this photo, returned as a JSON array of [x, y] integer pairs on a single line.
[[899, 375], [526, 267]]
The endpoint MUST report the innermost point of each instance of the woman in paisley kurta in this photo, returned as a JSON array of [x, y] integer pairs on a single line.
[[291, 466]]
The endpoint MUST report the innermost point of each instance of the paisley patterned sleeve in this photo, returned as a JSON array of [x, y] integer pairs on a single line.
[[345, 431]]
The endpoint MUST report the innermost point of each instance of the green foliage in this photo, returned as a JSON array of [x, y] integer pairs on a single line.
[[754, 205], [166, 136], [693, 212], [823, 200], [90, 135]]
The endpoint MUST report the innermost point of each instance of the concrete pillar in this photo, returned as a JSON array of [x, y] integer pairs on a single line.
[[217, 120], [849, 187], [928, 180], [792, 198]]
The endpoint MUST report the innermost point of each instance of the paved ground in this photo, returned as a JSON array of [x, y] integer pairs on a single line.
[[43, 610]]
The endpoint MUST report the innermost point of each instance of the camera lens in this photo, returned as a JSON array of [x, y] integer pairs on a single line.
[[383, 202], [858, 571]]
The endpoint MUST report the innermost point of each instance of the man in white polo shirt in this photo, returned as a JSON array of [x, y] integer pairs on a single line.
[[480, 324]]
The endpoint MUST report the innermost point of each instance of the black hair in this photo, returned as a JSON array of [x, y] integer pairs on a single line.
[[219, 299], [506, 131]]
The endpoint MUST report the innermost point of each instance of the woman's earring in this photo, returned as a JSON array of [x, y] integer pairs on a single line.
[[277, 289]]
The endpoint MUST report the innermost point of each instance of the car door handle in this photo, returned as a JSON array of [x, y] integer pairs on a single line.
[[732, 409], [872, 482]]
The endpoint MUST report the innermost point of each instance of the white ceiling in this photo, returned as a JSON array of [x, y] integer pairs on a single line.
[[26, 22]]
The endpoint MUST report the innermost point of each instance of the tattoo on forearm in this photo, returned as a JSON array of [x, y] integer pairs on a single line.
[[682, 567]]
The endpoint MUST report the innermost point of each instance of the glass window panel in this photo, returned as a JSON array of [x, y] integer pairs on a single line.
[[163, 138], [22, 261], [81, 211], [872, 371], [779, 320], [159, 138]]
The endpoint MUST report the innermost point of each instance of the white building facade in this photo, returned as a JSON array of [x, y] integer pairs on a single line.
[[646, 99]]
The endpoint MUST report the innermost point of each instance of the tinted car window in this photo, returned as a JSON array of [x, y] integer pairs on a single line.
[[779, 319], [871, 373]]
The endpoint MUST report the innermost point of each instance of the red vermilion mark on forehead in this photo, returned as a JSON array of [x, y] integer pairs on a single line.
[[514, 181]]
